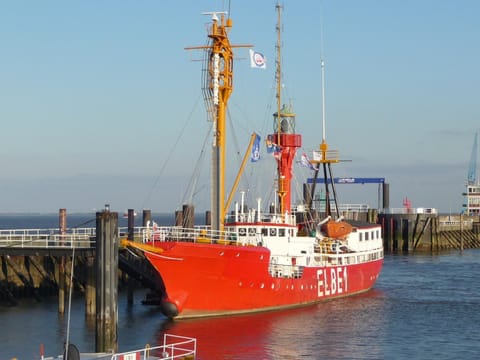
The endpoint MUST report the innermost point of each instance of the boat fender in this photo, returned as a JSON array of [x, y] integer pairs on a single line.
[[169, 309]]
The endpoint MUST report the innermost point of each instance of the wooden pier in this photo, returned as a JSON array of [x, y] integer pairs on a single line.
[[37, 262], [429, 232]]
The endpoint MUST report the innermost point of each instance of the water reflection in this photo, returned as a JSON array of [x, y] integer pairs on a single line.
[[343, 329], [422, 307]]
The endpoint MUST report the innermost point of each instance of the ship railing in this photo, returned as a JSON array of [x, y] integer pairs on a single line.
[[200, 234], [47, 238], [264, 217], [348, 258], [286, 271], [174, 347]]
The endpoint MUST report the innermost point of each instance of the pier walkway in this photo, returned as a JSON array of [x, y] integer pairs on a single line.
[[52, 241]]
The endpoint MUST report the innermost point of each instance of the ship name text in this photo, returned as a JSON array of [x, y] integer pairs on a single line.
[[332, 281]]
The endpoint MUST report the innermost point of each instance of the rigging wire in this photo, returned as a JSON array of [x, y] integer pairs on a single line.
[[169, 155], [192, 184]]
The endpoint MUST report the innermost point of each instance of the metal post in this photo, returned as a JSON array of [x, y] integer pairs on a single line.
[[62, 225], [131, 237]]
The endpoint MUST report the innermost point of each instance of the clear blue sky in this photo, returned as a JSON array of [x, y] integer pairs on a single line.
[[100, 103]]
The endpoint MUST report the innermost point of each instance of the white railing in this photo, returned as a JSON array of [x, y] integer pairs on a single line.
[[409, 211], [202, 234], [47, 238], [361, 208], [82, 238], [174, 347]]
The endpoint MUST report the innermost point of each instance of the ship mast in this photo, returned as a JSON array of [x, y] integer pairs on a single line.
[[220, 69], [326, 157], [284, 137], [218, 86]]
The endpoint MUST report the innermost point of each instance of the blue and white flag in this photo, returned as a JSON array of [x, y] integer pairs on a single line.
[[256, 149], [271, 147], [257, 60], [306, 162]]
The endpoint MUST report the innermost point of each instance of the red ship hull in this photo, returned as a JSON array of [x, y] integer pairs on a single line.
[[212, 279]]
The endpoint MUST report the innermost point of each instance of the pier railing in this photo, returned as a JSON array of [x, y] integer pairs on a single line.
[[80, 238]]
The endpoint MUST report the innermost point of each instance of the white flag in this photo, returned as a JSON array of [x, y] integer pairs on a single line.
[[257, 60]]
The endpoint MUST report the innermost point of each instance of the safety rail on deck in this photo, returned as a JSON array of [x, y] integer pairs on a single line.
[[85, 237], [252, 217], [174, 347], [285, 271], [201, 234]]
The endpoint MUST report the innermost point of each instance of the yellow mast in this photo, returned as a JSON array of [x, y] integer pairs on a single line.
[[220, 68], [219, 86]]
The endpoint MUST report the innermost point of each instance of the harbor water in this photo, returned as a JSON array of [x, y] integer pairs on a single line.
[[422, 307]]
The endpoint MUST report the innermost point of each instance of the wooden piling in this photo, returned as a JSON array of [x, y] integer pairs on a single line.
[[147, 216], [178, 218], [188, 216], [130, 223], [405, 235], [107, 281], [461, 234], [90, 307]]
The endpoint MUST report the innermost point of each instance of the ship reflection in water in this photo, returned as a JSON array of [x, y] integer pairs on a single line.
[[330, 330], [423, 307]]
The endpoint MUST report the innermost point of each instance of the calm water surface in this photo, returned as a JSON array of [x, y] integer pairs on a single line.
[[422, 307]]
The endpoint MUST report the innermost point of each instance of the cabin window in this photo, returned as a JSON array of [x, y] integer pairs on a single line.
[[242, 232], [373, 235], [366, 236], [378, 234], [251, 231], [264, 231], [360, 236], [273, 231], [281, 232]]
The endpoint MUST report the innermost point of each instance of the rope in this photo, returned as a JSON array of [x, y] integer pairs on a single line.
[[192, 184], [162, 169]]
